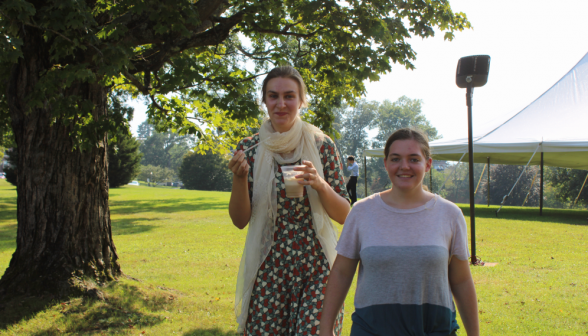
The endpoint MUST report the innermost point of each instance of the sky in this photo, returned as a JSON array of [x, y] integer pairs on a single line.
[[532, 44]]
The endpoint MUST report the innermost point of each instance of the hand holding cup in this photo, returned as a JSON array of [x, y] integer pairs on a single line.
[[309, 176]]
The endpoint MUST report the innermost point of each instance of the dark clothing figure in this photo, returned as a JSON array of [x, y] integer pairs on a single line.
[[353, 168], [351, 186]]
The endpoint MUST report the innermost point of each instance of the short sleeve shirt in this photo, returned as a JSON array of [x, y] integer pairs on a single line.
[[354, 169], [403, 282]]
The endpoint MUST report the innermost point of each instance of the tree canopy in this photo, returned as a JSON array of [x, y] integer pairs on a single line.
[[163, 149], [197, 61], [156, 174], [205, 172], [353, 124], [570, 184], [404, 112], [124, 159], [11, 166]]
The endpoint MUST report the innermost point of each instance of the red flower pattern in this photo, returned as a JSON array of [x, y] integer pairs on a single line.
[[290, 285]]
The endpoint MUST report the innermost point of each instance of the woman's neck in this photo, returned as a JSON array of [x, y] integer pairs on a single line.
[[281, 128], [406, 199]]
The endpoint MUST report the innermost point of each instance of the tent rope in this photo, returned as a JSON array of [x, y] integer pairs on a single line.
[[583, 184], [480, 180], [511, 189], [531, 187], [454, 168]]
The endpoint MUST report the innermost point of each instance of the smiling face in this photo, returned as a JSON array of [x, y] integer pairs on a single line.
[[283, 101], [406, 165]]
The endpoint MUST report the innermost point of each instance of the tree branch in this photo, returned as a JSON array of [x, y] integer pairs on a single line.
[[159, 107], [285, 31], [224, 83], [207, 10], [250, 55], [54, 32], [164, 51], [136, 82]]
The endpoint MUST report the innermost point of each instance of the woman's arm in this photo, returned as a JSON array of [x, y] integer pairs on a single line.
[[335, 205], [464, 292], [239, 205], [337, 287]]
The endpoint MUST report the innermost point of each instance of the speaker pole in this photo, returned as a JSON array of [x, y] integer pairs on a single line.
[[472, 71], [469, 94]]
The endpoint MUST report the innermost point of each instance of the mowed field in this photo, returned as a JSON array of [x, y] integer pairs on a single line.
[[180, 255]]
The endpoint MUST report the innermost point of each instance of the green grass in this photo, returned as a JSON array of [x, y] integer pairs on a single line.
[[180, 254]]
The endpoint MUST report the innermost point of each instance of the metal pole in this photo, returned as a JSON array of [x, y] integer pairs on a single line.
[[488, 191], [365, 174], [541, 188], [469, 94], [580, 193]]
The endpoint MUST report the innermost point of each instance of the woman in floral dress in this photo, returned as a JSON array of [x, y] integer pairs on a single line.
[[290, 244]]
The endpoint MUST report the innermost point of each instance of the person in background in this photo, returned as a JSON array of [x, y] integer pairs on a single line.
[[352, 183], [413, 249], [290, 245]]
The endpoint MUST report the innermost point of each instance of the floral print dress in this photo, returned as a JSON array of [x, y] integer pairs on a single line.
[[290, 286]]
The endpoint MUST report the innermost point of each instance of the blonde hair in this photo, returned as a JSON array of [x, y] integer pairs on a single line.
[[286, 72]]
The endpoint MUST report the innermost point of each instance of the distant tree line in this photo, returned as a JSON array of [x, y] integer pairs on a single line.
[[380, 119], [168, 157], [123, 150], [561, 185]]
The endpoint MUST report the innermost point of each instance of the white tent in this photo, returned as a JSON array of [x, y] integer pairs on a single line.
[[556, 124]]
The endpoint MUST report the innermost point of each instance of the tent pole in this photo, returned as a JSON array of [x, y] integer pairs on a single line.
[[479, 181], [515, 184], [452, 172], [469, 94], [580, 193], [488, 191], [541, 188], [365, 174]]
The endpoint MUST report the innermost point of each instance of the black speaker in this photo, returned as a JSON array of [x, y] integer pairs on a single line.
[[472, 69]]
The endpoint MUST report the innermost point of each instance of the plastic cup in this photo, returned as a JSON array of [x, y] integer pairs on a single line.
[[293, 189]]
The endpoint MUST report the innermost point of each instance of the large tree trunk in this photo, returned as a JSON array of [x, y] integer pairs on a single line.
[[64, 233]]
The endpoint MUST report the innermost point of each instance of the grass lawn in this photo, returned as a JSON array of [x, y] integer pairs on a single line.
[[180, 254]]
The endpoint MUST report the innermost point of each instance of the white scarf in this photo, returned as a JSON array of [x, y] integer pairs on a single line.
[[302, 139]]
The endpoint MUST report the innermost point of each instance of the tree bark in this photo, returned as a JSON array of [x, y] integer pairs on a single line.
[[64, 233]]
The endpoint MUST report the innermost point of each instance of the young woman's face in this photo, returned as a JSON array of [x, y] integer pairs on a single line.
[[283, 101], [406, 165]]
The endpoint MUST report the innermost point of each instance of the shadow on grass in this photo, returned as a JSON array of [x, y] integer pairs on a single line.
[[7, 237], [210, 332], [166, 206], [18, 308], [558, 216], [121, 311], [7, 208], [122, 226], [126, 226]]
